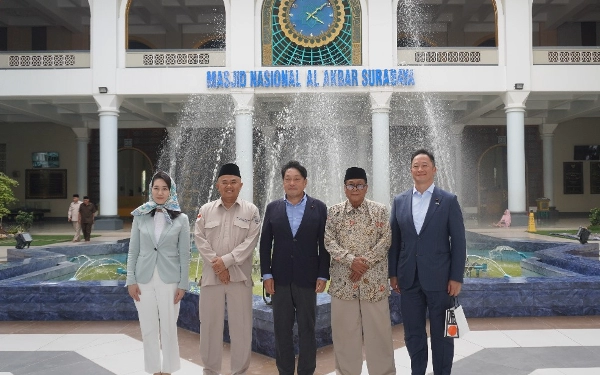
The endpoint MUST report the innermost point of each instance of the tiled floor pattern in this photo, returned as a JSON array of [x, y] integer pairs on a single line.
[[496, 346]]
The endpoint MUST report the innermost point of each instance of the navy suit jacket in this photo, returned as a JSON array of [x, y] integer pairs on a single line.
[[299, 259], [438, 253]]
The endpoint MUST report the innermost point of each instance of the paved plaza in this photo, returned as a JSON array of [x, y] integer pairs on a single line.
[[496, 346]]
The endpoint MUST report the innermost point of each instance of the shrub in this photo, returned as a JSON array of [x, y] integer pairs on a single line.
[[595, 216], [24, 220]]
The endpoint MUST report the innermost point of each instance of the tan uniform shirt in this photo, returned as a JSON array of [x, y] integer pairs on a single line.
[[73, 212], [230, 234], [352, 232]]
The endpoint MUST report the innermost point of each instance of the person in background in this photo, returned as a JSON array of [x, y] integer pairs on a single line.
[[427, 263], [358, 237], [87, 211], [295, 267], [226, 234], [73, 217], [504, 220], [157, 272]]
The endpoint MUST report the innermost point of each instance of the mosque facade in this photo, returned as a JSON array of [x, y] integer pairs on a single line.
[[506, 92]]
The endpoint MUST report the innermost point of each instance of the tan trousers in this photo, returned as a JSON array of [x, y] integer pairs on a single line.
[[353, 320], [239, 316], [77, 228]]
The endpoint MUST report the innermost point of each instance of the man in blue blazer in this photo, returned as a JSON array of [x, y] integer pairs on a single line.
[[426, 263], [295, 266]]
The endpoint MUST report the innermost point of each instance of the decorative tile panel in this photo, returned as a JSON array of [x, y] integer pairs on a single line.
[[447, 56], [175, 59], [564, 56], [34, 60]]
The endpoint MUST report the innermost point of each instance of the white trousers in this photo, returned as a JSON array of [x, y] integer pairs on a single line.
[[158, 321], [239, 318], [355, 321], [77, 228]]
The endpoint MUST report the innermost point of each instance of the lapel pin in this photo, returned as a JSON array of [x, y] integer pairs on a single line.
[[437, 201]]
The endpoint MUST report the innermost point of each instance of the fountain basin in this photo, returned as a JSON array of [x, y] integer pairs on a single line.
[[573, 293]]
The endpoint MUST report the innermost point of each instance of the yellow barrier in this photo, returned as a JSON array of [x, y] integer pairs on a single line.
[[531, 226]]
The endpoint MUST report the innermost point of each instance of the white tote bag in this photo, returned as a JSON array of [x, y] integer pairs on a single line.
[[456, 322]]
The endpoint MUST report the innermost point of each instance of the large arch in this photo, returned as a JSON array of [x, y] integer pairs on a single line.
[[45, 26], [135, 172], [444, 24], [565, 24], [177, 26]]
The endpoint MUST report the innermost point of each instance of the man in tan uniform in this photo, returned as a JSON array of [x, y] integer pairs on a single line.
[[226, 233], [358, 237], [73, 217]]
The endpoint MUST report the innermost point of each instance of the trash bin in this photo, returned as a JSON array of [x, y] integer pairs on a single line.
[[543, 208]]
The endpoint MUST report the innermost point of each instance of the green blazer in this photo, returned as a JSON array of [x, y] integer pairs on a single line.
[[171, 254]]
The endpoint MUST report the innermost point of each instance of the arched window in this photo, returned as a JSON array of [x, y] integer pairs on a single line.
[[566, 24], [173, 24], [445, 24], [45, 26]]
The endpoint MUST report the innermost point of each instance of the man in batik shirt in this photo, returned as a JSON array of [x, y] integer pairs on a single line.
[[358, 237]]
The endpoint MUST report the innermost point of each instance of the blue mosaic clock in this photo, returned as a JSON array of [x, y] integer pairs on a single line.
[[311, 23], [311, 32]]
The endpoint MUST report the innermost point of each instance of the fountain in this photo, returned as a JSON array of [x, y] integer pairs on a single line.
[[327, 133], [99, 269]]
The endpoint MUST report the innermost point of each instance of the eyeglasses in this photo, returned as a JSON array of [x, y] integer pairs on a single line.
[[356, 187]]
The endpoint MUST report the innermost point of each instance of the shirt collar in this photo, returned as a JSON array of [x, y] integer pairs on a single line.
[[429, 189], [303, 200], [362, 207], [220, 202]]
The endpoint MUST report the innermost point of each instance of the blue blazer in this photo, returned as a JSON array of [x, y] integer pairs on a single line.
[[299, 259], [438, 253]]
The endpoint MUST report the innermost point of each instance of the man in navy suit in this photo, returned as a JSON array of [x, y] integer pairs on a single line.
[[295, 267], [426, 263]]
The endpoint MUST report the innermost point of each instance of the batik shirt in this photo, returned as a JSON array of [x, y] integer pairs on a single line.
[[358, 232]]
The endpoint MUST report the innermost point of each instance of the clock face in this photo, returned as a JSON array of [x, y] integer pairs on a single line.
[[310, 18], [311, 23]]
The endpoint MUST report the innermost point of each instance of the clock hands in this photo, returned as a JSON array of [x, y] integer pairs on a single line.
[[312, 15]]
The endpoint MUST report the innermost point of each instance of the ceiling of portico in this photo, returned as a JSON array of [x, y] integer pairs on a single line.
[[162, 112], [80, 112]]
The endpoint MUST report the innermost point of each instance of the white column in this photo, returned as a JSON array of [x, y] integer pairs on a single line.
[[515, 149], [457, 131], [547, 133], [380, 122], [518, 41], [108, 161], [243, 142], [108, 111], [242, 17], [83, 138], [379, 27]]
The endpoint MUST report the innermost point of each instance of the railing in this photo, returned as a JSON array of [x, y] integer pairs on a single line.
[[44, 60], [566, 56], [447, 56], [175, 58]]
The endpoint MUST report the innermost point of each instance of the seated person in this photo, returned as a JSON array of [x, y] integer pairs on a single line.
[[504, 220]]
